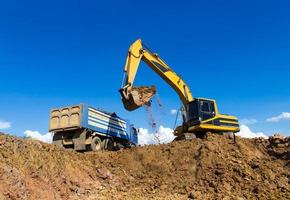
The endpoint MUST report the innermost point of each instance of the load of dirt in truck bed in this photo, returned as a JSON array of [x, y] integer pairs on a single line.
[[213, 168]]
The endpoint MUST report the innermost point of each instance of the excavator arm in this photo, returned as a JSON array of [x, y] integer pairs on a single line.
[[200, 115], [135, 97]]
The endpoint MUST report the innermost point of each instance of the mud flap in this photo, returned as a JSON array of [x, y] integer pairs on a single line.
[[57, 140], [79, 140]]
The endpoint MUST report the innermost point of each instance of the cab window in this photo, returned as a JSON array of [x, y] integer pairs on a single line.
[[207, 110], [212, 110], [135, 132], [193, 113], [205, 106]]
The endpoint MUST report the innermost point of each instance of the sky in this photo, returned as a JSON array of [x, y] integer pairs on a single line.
[[58, 53]]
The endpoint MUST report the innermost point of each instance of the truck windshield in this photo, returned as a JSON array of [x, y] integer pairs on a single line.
[[135, 132]]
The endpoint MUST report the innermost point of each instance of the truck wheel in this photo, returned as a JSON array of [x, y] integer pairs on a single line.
[[108, 144], [119, 146], [96, 144]]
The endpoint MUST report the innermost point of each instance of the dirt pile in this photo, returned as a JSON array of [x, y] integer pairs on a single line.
[[34, 170], [213, 168]]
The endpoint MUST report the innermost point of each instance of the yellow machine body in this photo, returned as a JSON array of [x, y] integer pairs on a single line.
[[200, 114]]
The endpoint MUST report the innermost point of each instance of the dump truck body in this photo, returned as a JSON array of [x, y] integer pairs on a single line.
[[78, 127]]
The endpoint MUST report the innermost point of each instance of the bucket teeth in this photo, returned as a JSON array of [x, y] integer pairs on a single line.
[[136, 97]]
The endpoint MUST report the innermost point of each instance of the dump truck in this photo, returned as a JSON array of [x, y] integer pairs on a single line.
[[200, 115], [85, 128]]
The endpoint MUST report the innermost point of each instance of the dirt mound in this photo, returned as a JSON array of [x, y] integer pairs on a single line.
[[34, 170], [213, 168]]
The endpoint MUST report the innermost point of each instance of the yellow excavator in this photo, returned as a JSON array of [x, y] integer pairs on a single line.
[[200, 115]]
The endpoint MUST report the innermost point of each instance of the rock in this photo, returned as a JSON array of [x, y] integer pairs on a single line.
[[195, 195], [104, 173]]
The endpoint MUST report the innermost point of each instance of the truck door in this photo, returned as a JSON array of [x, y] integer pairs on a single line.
[[206, 109], [134, 135]]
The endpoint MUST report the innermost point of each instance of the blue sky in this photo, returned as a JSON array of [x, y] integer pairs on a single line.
[[237, 52]]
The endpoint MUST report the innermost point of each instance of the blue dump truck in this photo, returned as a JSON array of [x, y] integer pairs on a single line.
[[85, 128]]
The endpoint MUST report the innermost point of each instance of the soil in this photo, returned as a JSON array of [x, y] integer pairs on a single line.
[[144, 93], [135, 97], [212, 168]]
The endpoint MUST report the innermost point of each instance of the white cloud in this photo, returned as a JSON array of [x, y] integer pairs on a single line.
[[38, 136], [246, 132], [144, 137], [164, 135], [4, 125], [247, 121], [282, 116], [173, 111]]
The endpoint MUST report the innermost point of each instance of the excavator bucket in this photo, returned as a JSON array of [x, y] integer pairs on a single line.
[[136, 97]]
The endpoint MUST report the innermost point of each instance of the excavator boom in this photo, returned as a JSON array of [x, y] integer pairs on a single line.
[[135, 97]]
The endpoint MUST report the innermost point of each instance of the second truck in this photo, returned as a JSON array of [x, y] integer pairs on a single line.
[[200, 115]]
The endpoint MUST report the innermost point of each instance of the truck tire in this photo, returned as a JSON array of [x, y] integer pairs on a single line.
[[79, 140], [119, 146], [108, 144], [96, 144]]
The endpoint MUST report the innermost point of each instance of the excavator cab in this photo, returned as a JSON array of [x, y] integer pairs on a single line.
[[203, 116], [199, 110]]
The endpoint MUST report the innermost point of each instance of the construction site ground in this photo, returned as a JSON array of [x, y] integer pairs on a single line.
[[212, 168]]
